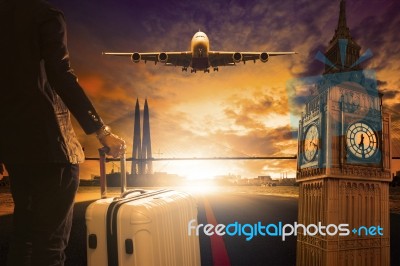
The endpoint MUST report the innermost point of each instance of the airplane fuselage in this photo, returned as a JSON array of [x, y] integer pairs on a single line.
[[200, 46]]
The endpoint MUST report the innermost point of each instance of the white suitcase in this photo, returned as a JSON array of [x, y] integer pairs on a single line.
[[142, 228]]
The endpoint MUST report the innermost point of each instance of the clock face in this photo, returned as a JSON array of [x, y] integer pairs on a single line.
[[361, 140], [311, 141]]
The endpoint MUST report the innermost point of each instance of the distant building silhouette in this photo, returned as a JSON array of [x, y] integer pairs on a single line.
[[146, 141], [137, 145], [141, 143]]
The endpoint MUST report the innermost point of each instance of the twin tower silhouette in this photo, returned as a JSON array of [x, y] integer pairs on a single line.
[[141, 152]]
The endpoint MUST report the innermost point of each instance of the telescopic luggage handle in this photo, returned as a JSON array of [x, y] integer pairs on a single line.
[[103, 182]]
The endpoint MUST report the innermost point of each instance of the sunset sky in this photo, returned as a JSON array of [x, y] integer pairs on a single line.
[[238, 111]]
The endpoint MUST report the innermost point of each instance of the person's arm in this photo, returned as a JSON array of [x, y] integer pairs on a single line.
[[53, 46], [54, 52]]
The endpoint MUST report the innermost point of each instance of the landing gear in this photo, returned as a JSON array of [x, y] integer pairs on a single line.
[[206, 70], [193, 70], [216, 69], [184, 69]]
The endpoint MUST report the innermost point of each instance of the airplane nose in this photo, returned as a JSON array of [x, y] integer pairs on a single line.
[[201, 45]]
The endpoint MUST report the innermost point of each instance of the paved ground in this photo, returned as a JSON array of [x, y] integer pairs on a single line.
[[246, 208], [225, 208]]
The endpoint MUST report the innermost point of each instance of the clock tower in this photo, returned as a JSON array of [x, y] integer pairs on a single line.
[[343, 166]]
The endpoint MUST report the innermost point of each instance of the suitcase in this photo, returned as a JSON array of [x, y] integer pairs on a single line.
[[141, 227]]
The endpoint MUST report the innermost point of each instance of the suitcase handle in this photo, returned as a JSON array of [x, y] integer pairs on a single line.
[[103, 182], [126, 193]]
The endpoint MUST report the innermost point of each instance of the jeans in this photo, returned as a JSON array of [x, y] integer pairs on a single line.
[[44, 198]]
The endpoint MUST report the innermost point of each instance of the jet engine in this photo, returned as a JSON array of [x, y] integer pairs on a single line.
[[162, 57], [136, 57], [237, 57], [264, 57]]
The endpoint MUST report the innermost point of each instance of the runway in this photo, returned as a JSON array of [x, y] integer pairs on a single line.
[[226, 208], [250, 209]]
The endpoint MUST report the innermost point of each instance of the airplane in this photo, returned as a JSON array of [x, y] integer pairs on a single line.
[[200, 57]]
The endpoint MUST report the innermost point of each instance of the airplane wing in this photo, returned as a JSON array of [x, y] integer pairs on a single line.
[[168, 58], [222, 58]]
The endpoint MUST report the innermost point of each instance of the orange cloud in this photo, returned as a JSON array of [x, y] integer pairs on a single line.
[[93, 85]]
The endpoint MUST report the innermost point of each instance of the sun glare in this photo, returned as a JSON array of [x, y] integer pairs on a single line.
[[200, 187], [196, 170]]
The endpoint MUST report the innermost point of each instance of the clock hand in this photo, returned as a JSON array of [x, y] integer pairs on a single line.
[[361, 141]]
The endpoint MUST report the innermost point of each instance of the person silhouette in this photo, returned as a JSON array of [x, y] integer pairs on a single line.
[[38, 145]]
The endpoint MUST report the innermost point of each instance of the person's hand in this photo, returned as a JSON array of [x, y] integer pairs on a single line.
[[114, 144]]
